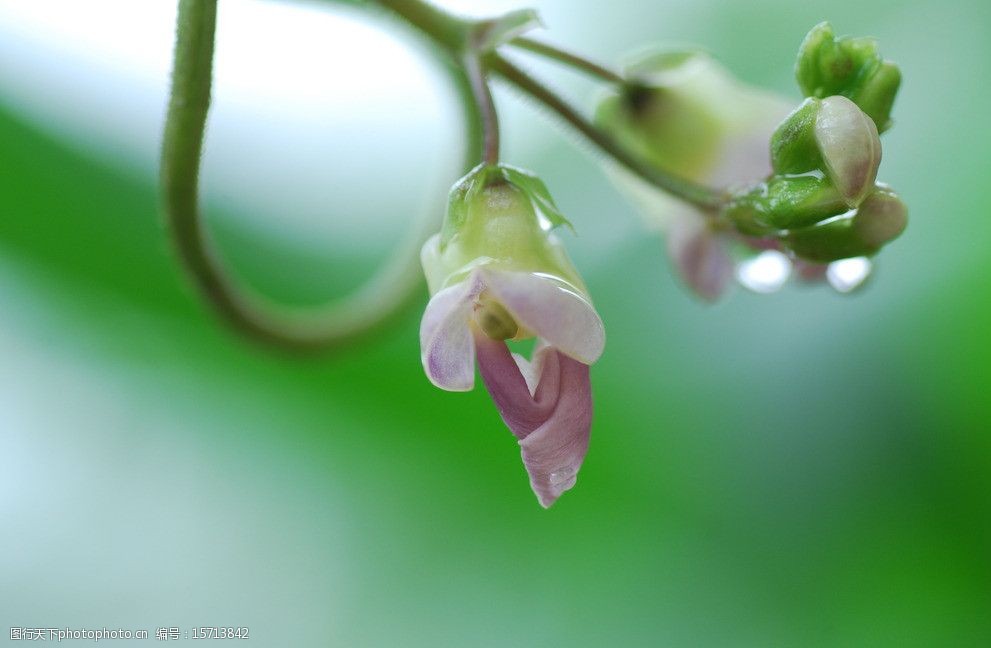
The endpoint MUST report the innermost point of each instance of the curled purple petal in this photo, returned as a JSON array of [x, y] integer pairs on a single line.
[[553, 422], [701, 258], [551, 309], [446, 345]]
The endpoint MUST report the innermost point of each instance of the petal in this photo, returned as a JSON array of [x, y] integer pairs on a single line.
[[552, 309], [446, 347], [850, 147], [553, 423], [522, 409], [701, 258]]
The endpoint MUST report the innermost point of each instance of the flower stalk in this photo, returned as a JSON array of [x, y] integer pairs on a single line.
[[381, 297]]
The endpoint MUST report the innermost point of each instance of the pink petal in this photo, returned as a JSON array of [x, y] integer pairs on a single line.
[[446, 346], [551, 309], [701, 258], [553, 423], [850, 147]]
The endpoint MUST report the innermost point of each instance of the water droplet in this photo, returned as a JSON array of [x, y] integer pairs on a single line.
[[561, 478], [847, 275], [765, 273]]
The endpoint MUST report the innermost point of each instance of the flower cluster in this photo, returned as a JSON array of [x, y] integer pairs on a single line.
[[802, 186], [740, 183], [799, 191]]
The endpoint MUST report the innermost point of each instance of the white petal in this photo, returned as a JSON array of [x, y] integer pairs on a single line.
[[551, 309], [447, 349]]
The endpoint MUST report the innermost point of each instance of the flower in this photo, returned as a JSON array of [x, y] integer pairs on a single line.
[[496, 272], [686, 114]]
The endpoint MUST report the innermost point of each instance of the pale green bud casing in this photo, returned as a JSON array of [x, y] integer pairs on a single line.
[[851, 149], [678, 111], [498, 217], [733, 153]]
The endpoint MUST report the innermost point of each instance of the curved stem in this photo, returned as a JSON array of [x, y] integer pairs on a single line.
[[444, 29], [379, 298], [568, 58], [447, 30], [482, 96], [700, 195]]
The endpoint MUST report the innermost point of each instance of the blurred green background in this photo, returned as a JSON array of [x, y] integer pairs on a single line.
[[798, 469]]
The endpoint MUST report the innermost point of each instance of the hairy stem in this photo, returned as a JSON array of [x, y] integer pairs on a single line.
[[692, 192], [482, 95], [451, 33], [568, 58]]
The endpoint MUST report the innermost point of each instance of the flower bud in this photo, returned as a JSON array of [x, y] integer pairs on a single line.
[[499, 216], [786, 202], [828, 65], [834, 136], [880, 218], [850, 147], [851, 67], [876, 95], [662, 116], [682, 111]]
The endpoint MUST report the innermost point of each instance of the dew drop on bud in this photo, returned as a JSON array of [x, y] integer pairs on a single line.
[[846, 275], [765, 273]]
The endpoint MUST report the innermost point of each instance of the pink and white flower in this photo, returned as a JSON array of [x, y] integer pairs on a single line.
[[503, 275]]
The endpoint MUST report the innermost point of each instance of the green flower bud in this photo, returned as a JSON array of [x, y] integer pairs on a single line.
[[880, 218], [876, 95], [499, 216], [828, 65], [851, 67], [785, 203], [834, 136]]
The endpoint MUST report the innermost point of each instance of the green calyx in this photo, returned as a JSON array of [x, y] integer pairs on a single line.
[[793, 146], [503, 217], [851, 67], [487, 187], [785, 203]]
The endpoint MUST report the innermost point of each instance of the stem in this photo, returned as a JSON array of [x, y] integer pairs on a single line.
[[700, 195], [447, 31], [451, 34], [482, 96], [568, 58], [381, 297]]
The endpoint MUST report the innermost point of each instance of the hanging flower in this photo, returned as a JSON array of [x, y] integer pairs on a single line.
[[497, 273]]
